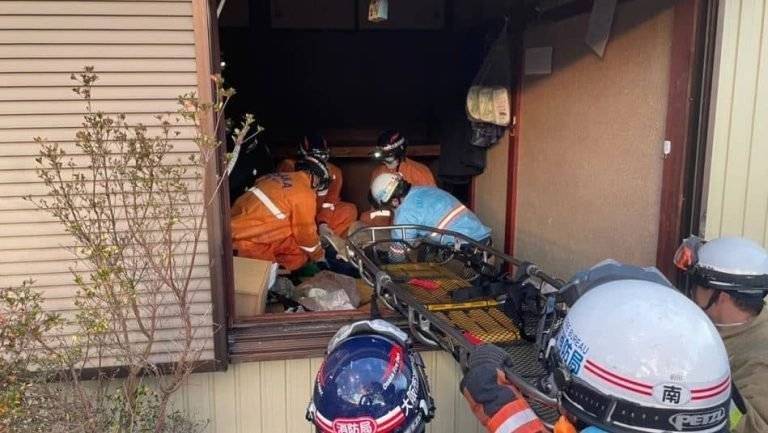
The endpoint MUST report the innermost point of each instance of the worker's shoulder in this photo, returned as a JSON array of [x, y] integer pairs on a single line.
[[751, 345], [297, 181], [416, 165]]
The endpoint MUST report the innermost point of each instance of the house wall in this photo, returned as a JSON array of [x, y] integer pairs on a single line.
[[491, 191], [737, 190], [591, 134], [272, 397], [144, 54]]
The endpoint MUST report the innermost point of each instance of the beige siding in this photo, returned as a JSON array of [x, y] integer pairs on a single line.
[[737, 192], [144, 53], [272, 397]]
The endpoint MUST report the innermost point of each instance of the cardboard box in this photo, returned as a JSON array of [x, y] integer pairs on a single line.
[[253, 278]]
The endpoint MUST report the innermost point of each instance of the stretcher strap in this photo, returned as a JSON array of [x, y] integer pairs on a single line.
[[268, 203]]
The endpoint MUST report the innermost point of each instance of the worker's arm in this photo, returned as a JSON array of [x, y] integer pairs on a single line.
[[334, 189], [405, 215], [496, 403], [755, 394], [303, 225]]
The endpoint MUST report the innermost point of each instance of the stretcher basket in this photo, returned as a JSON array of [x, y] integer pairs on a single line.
[[418, 272]]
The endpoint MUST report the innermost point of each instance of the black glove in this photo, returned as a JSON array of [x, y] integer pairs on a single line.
[[483, 385], [497, 404]]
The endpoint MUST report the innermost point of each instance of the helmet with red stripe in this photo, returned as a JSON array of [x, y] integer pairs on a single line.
[[636, 355], [371, 382]]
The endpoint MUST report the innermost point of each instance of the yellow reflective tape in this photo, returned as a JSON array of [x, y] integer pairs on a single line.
[[462, 305], [735, 417]]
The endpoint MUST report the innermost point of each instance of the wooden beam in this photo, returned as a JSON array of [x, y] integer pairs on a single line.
[[514, 146], [684, 76], [429, 150], [298, 335]]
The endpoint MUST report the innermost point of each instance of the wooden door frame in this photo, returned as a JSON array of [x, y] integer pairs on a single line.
[[690, 84]]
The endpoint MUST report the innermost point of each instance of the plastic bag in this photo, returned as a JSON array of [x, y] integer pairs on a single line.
[[488, 99], [328, 291]]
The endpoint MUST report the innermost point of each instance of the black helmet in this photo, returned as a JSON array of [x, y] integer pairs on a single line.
[[321, 177], [390, 147], [314, 145]]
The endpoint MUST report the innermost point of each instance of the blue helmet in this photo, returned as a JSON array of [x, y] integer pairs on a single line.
[[371, 382]]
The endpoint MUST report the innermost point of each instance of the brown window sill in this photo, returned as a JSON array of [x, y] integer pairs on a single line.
[[290, 336]]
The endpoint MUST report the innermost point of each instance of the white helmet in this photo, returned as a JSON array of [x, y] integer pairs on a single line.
[[387, 186], [728, 263], [635, 355]]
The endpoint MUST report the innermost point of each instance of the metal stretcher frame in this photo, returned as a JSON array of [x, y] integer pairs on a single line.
[[427, 327]]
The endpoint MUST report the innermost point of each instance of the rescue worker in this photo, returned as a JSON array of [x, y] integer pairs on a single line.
[[426, 206], [391, 153], [729, 280], [275, 219], [633, 356], [334, 213]]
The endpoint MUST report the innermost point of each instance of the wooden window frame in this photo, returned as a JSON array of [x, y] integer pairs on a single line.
[[219, 241], [287, 336]]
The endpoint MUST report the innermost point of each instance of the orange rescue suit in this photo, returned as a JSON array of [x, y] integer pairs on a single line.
[[275, 220], [415, 173], [337, 214]]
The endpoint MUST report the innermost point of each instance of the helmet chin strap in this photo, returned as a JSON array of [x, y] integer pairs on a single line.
[[712, 299]]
